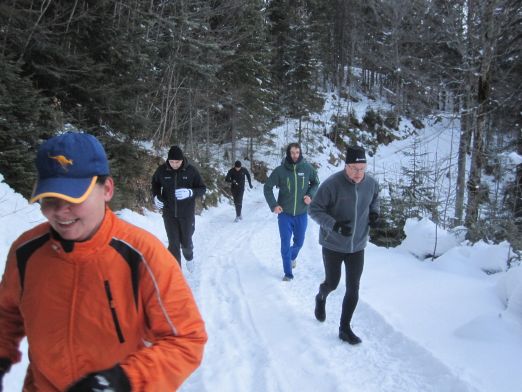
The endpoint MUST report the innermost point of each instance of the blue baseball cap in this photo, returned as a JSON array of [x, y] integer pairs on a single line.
[[68, 166]]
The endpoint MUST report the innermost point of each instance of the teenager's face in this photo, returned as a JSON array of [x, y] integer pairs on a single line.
[[294, 153], [78, 222], [175, 164], [355, 171]]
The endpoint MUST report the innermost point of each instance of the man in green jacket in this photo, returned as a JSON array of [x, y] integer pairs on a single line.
[[297, 182]]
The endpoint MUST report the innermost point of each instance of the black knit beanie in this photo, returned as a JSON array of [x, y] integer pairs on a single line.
[[237, 164], [355, 154], [175, 154]]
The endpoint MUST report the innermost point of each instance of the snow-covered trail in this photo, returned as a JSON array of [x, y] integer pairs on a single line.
[[262, 332]]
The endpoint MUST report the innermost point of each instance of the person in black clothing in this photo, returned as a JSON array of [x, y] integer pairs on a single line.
[[175, 185], [236, 176]]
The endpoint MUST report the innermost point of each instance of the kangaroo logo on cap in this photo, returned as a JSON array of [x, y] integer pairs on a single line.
[[62, 160]]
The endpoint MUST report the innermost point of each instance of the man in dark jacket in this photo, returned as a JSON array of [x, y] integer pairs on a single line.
[[175, 185], [345, 205], [297, 182], [236, 176]]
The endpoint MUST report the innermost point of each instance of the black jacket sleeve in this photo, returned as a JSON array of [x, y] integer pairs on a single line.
[[198, 186], [247, 174], [156, 184], [228, 178]]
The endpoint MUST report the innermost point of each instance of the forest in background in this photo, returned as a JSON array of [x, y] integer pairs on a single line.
[[202, 73]]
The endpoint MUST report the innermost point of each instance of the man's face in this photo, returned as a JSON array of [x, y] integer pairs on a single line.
[[237, 168], [355, 171], [295, 152], [175, 164], [78, 222]]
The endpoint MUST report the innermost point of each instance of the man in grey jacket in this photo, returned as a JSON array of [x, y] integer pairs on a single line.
[[345, 205]]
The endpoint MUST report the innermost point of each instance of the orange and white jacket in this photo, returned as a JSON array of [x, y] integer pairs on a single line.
[[118, 298]]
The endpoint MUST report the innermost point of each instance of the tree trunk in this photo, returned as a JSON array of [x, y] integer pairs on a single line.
[[518, 189], [299, 131], [43, 9], [233, 132], [475, 173], [191, 124], [465, 131], [483, 93], [207, 131]]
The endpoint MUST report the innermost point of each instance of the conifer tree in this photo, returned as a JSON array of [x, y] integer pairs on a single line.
[[278, 16], [294, 63], [25, 117], [301, 96], [244, 78]]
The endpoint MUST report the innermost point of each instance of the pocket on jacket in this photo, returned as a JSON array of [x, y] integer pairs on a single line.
[[114, 314]]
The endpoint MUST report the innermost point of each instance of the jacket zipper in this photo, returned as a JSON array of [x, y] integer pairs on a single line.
[[356, 213], [71, 326], [175, 200], [113, 312], [295, 189]]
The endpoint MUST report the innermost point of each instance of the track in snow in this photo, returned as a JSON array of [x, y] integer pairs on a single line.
[[262, 332]]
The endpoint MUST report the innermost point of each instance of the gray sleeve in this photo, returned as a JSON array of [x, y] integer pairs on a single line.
[[375, 203], [314, 182], [319, 206]]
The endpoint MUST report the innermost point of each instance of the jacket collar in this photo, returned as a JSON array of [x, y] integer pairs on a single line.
[[182, 167], [100, 238], [351, 181], [290, 164]]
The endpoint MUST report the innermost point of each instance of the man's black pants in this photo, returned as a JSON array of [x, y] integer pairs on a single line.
[[353, 263], [179, 232], [237, 194]]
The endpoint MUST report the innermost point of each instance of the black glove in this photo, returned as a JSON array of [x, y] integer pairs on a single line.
[[5, 365], [110, 380], [343, 228], [373, 220]]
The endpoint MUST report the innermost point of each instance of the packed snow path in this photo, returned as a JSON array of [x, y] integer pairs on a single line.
[[262, 332]]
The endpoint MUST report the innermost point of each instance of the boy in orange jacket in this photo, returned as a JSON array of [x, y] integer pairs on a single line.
[[103, 303]]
